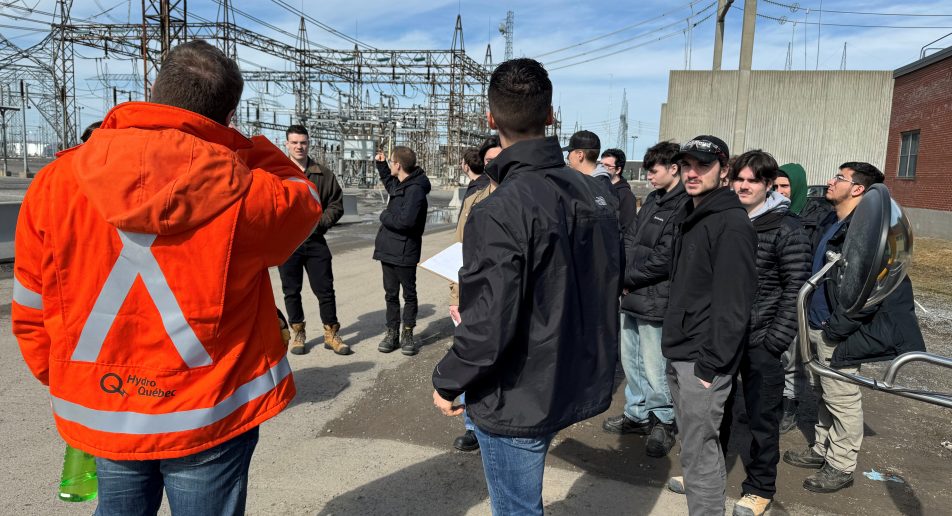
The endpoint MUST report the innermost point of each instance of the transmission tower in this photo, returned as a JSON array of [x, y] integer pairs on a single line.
[[505, 29], [623, 121]]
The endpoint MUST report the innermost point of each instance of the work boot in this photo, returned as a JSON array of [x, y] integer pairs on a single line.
[[676, 485], [828, 480], [751, 505], [390, 342], [299, 339], [804, 459], [333, 341], [285, 331], [410, 345], [623, 425], [661, 439], [789, 420], [466, 442]]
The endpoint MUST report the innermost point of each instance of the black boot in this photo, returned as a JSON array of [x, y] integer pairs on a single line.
[[789, 420], [804, 459], [661, 439], [410, 345], [390, 342], [828, 480], [466, 442], [622, 425]]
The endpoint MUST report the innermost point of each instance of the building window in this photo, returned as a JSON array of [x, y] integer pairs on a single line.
[[908, 152]]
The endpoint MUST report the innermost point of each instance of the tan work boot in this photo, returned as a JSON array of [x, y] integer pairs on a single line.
[[285, 332], [299, 339], [751, 505], [333, 341]]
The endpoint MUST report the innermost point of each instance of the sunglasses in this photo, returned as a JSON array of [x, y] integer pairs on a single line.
[[703, 146]]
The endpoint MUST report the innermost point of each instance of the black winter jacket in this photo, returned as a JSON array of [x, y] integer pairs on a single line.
[[712, 286], [537, 347], [401, 224], [649, 244], [784, 261], [878, 333], [627, 205], [332, 200]]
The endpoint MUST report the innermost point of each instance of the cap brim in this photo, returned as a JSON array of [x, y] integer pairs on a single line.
[[567, 148], [702, 157]]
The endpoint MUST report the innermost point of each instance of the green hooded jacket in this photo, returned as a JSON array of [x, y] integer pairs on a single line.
[[798, 186]]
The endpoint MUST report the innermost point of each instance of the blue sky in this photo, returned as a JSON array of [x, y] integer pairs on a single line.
[[589, 91]]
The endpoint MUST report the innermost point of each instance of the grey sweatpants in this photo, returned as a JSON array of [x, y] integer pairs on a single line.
[[698, 412]]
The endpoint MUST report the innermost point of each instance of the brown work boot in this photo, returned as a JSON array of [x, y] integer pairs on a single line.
[[751, 505], [333, 341], [285, 332], [298, 339]]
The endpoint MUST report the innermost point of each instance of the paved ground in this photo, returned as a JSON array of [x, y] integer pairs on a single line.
[[362, 437]]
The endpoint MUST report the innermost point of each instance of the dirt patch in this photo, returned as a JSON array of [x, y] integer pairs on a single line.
[[932, 266]]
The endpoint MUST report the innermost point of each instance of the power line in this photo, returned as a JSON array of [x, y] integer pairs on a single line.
[[796, 7], [322, 25], [784, 19]]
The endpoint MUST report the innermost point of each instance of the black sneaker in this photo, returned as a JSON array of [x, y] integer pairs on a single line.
[[466, 442], [410, 345], [390, 342], [828, 480], [622, 425], [804, 459], [660, 440], [789, 420]]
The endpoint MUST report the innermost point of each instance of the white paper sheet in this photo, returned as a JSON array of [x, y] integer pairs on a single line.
[[446, 263]]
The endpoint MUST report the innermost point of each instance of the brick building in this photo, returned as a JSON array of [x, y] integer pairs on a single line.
[[918, 165]]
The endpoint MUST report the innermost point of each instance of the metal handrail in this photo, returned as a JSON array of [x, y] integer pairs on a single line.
[[887, 384]]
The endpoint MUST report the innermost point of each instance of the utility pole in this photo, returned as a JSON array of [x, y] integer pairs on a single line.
[[24, 100], [722, 7]]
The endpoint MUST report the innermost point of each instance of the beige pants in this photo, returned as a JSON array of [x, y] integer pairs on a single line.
[[839, 427]]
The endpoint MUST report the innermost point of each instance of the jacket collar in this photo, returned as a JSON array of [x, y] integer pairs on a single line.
[[146, 115], [677, 191], [534, 153]]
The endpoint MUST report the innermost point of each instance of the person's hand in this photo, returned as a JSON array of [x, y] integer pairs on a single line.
[[446, 407], [706, 385], [454, 314], [380, 157], [625, 292]]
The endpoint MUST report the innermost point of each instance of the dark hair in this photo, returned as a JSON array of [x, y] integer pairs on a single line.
[[405, 157], [88, 132], [296, 129], [520, 97], [661, 153], [619, 156], [590, 155], [864, 173], [761, 163], [472, 160], [200, 78], [491, 142]]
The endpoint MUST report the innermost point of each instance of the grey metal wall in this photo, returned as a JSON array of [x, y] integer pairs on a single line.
[[818, 119]]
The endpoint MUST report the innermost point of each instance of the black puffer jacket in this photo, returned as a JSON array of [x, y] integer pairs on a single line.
[[648, 247], [627, 205], [539, 285], [784, 260], [400, 236]]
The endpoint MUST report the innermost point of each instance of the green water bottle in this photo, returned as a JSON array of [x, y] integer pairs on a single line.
[[78, 483]]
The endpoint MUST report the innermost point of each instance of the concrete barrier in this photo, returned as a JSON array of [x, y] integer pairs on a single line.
[[350, 209], [9, 211], [457, 200]]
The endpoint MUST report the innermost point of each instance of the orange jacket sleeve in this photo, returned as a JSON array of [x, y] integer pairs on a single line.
[[27, 306]]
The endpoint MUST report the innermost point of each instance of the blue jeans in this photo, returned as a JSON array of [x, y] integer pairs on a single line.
[[467, 422], [513, 467], [647, 390], [214, 481]]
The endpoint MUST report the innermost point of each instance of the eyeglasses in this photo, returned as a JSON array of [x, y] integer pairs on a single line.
[[703, 146], [841, 177], [609, 167]]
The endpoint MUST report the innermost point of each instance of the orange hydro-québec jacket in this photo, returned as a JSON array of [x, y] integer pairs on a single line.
[[141, 290]]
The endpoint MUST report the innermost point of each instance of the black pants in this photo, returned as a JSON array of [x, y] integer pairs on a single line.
[[316, 259], [394, 277], [762, 381]]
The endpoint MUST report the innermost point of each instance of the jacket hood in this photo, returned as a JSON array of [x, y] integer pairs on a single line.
[[600, 170], [417, 177], [537, 152], [718, 201], [774, 203], [159, 169], [798, 186]]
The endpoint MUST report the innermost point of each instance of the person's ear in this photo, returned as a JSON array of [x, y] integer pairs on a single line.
[[550, 118], [492, 121]]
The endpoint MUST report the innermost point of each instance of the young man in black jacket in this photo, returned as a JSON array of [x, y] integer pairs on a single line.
[[713, 282], [881, 332], [313, 255], [648, 247], [398, 243], [536, 349], [783, 265], [614, 162]]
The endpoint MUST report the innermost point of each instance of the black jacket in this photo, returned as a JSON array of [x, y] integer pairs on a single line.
[[784, 261], [814, 212], [401, 224], [332, 200], [649, 243], [537, 347], [712, 285], [878, 333], [627, 205]]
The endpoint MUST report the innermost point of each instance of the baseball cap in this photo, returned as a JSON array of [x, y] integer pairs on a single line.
[[705, 148], [583, 140]]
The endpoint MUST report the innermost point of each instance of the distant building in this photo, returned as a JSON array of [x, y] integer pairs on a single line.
[[919, 145]]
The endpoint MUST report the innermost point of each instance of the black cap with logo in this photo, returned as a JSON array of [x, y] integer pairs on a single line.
[[584, 140], [705, 148]]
